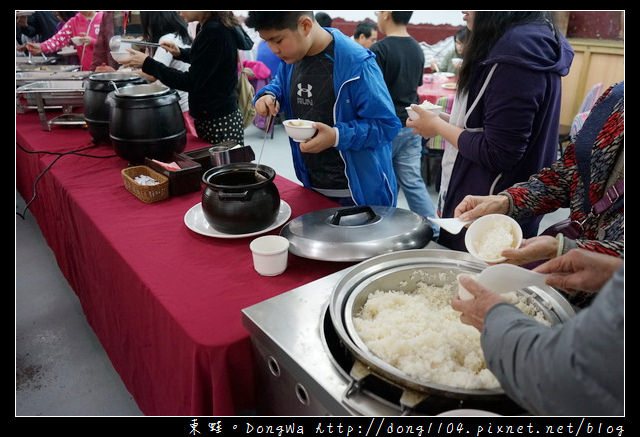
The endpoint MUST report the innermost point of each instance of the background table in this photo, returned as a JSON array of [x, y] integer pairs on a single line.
[[431, 88], [164, 301]]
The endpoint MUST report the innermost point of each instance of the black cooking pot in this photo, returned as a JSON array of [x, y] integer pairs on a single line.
[[96, 110], [236, 201], [146, 121]]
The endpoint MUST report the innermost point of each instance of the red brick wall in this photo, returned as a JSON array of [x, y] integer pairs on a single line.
[[595, 24], [429, 33]]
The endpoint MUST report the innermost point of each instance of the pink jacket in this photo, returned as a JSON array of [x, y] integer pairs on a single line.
[[78, 25]]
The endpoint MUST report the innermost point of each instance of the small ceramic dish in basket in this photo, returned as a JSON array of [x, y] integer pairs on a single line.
[[146, 193]]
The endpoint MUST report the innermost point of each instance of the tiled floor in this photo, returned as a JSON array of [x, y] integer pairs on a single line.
[[61, 368]]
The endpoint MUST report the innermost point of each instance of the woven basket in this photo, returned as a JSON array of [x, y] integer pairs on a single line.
[[146, 193]]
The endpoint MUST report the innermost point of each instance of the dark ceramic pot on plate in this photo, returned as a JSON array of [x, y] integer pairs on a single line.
[[237, 201]]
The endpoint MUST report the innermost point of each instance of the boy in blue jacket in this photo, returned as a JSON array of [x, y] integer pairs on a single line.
[[327, 78]]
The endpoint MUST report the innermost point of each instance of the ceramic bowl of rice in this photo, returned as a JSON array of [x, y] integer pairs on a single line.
[[489, 235]]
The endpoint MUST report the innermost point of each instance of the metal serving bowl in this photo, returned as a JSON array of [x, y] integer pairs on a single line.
[[395, 271]]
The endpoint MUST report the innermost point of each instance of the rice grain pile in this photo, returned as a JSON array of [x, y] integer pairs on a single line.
[[491, 243], [420, 334]]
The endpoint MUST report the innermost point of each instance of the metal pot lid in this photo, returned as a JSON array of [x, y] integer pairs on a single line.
[[144, 90], [356, 233], [115, 77]]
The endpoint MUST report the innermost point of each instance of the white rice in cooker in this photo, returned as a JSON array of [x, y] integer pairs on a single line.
[[420, 334], [491, 243]]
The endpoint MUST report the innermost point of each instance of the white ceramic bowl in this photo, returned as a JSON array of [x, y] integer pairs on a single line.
[[76, 40], [299, 130], [467, 412], [120, 56], [270, 254], [427, 106], [457, 62], [489, 235]]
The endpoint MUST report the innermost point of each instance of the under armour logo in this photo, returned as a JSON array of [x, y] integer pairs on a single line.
[[306, 90]]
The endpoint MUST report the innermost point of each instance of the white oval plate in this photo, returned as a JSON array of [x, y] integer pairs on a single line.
[[195, 220]]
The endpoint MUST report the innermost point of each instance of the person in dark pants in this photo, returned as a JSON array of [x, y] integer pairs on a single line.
[[402, 62]]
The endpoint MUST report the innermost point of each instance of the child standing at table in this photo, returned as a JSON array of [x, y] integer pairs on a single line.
[[328, 78], [85, 26]]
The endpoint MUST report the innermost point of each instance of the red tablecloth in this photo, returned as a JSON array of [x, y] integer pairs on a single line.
[[164, 301], [432, 89]]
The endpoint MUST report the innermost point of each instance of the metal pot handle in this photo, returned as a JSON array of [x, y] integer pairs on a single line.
[[244, 195], [352, 394], [345, 212]]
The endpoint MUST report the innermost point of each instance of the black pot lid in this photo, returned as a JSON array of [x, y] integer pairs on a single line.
[[356, 233]]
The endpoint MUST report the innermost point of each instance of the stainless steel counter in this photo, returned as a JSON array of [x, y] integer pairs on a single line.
[[296, 375]]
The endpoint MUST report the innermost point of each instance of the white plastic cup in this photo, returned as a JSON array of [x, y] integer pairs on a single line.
[[270, 254], [463, 292]]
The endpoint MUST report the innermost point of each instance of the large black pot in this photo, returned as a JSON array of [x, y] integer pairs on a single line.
[[96, 111], [146, 121], [236, 201]]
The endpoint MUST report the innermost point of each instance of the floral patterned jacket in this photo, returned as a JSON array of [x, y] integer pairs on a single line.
[[560, 186], [78, 25]]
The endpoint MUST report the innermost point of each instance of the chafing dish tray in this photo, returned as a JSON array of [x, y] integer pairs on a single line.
[[65, 94], [42, 67], [27, 77], [54, 92]]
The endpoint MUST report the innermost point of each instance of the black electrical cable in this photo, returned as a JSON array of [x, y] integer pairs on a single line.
[[58, 156]]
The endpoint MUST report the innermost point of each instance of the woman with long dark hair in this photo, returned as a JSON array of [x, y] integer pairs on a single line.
[[167, 27], [212, 77], [503, 126], [159, 24]]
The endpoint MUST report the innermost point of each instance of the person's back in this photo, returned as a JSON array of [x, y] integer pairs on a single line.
[[402, 62]]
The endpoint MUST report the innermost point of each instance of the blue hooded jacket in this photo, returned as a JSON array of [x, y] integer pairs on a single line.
[[365, 118], [512, 132]]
